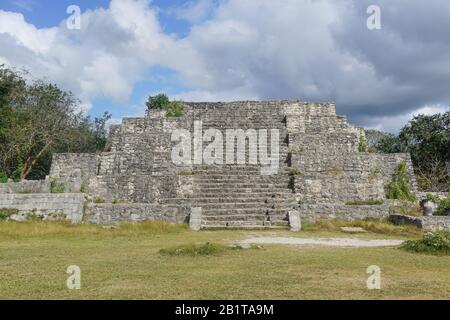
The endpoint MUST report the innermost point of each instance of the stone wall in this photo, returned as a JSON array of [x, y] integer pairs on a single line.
[[426, 223], [47, 206], [73, 170], [345, 177], [313, 212], [26, 186], [107, 213]]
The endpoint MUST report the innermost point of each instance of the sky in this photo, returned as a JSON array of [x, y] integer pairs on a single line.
[[225, 50]]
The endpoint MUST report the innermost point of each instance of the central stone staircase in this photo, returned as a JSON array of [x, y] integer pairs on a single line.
[[239, 195]]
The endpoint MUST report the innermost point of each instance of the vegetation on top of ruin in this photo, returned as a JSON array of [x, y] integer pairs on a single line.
[[399, 187], [162, 102], [362, 145]]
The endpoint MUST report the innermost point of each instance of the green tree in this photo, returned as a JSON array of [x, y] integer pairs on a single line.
[[427, 139], [158, 102], [38, 119]]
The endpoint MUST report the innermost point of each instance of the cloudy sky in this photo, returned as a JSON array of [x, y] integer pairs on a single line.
[[222, 50]]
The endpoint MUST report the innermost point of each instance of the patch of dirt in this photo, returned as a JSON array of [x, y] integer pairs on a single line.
[[331, 242]]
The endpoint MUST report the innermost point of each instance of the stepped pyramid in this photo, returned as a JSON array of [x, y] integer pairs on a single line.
[[319, 169]]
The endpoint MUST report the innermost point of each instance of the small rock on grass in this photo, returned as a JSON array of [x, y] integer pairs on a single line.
[[352, 230]]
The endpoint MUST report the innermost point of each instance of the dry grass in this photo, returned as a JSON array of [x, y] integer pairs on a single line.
[[55, 229], [374, 226]]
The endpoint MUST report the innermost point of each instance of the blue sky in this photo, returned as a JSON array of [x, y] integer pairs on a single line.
[[49, 13], [222, 50]]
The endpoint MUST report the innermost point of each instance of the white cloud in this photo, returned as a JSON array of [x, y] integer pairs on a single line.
[[395, 123], [193, 11], [104, 59], [257, 49]]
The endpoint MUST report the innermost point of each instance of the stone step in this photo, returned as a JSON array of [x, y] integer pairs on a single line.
[[246, 188], [243, 225], [267, 200], [242, 193], [241, 179], [247, 211], [245, 205], [247, 217], [282, 171]]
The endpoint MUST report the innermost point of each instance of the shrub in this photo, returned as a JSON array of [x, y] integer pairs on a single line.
[[174, 109], [193, 250], [443, 208], [6, 213], [362, 145], [294, 172], [399, 187], [157, 102], [434, 243], [432, 198], [369, 202], [57, 187], [3, 177]]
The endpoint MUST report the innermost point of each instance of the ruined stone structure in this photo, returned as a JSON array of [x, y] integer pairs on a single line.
[[320, 169]]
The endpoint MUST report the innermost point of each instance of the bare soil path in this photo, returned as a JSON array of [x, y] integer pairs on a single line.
[[331, 242]]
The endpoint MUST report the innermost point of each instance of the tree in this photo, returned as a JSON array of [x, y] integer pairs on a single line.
[[373, 138], [101, 132], [427, 139], [38, 119], [158, 102]]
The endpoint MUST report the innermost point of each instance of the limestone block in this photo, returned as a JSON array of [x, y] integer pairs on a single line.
[[195, 219], [295, 221]]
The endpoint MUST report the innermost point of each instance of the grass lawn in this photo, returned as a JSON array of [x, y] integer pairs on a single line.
[[125, 263]]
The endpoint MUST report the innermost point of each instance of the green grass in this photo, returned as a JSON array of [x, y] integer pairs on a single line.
[[125, 262], [369, 202], [193, 249]]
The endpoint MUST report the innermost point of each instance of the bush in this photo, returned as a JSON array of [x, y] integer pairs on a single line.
[[432, 198], [157, 102], [294, 172], [6, 213], [174, 109], [3, 177], [362, 145], [434, 243], [193, 250], [443, 208], [162, 102], [56, 187], [399, 188]]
